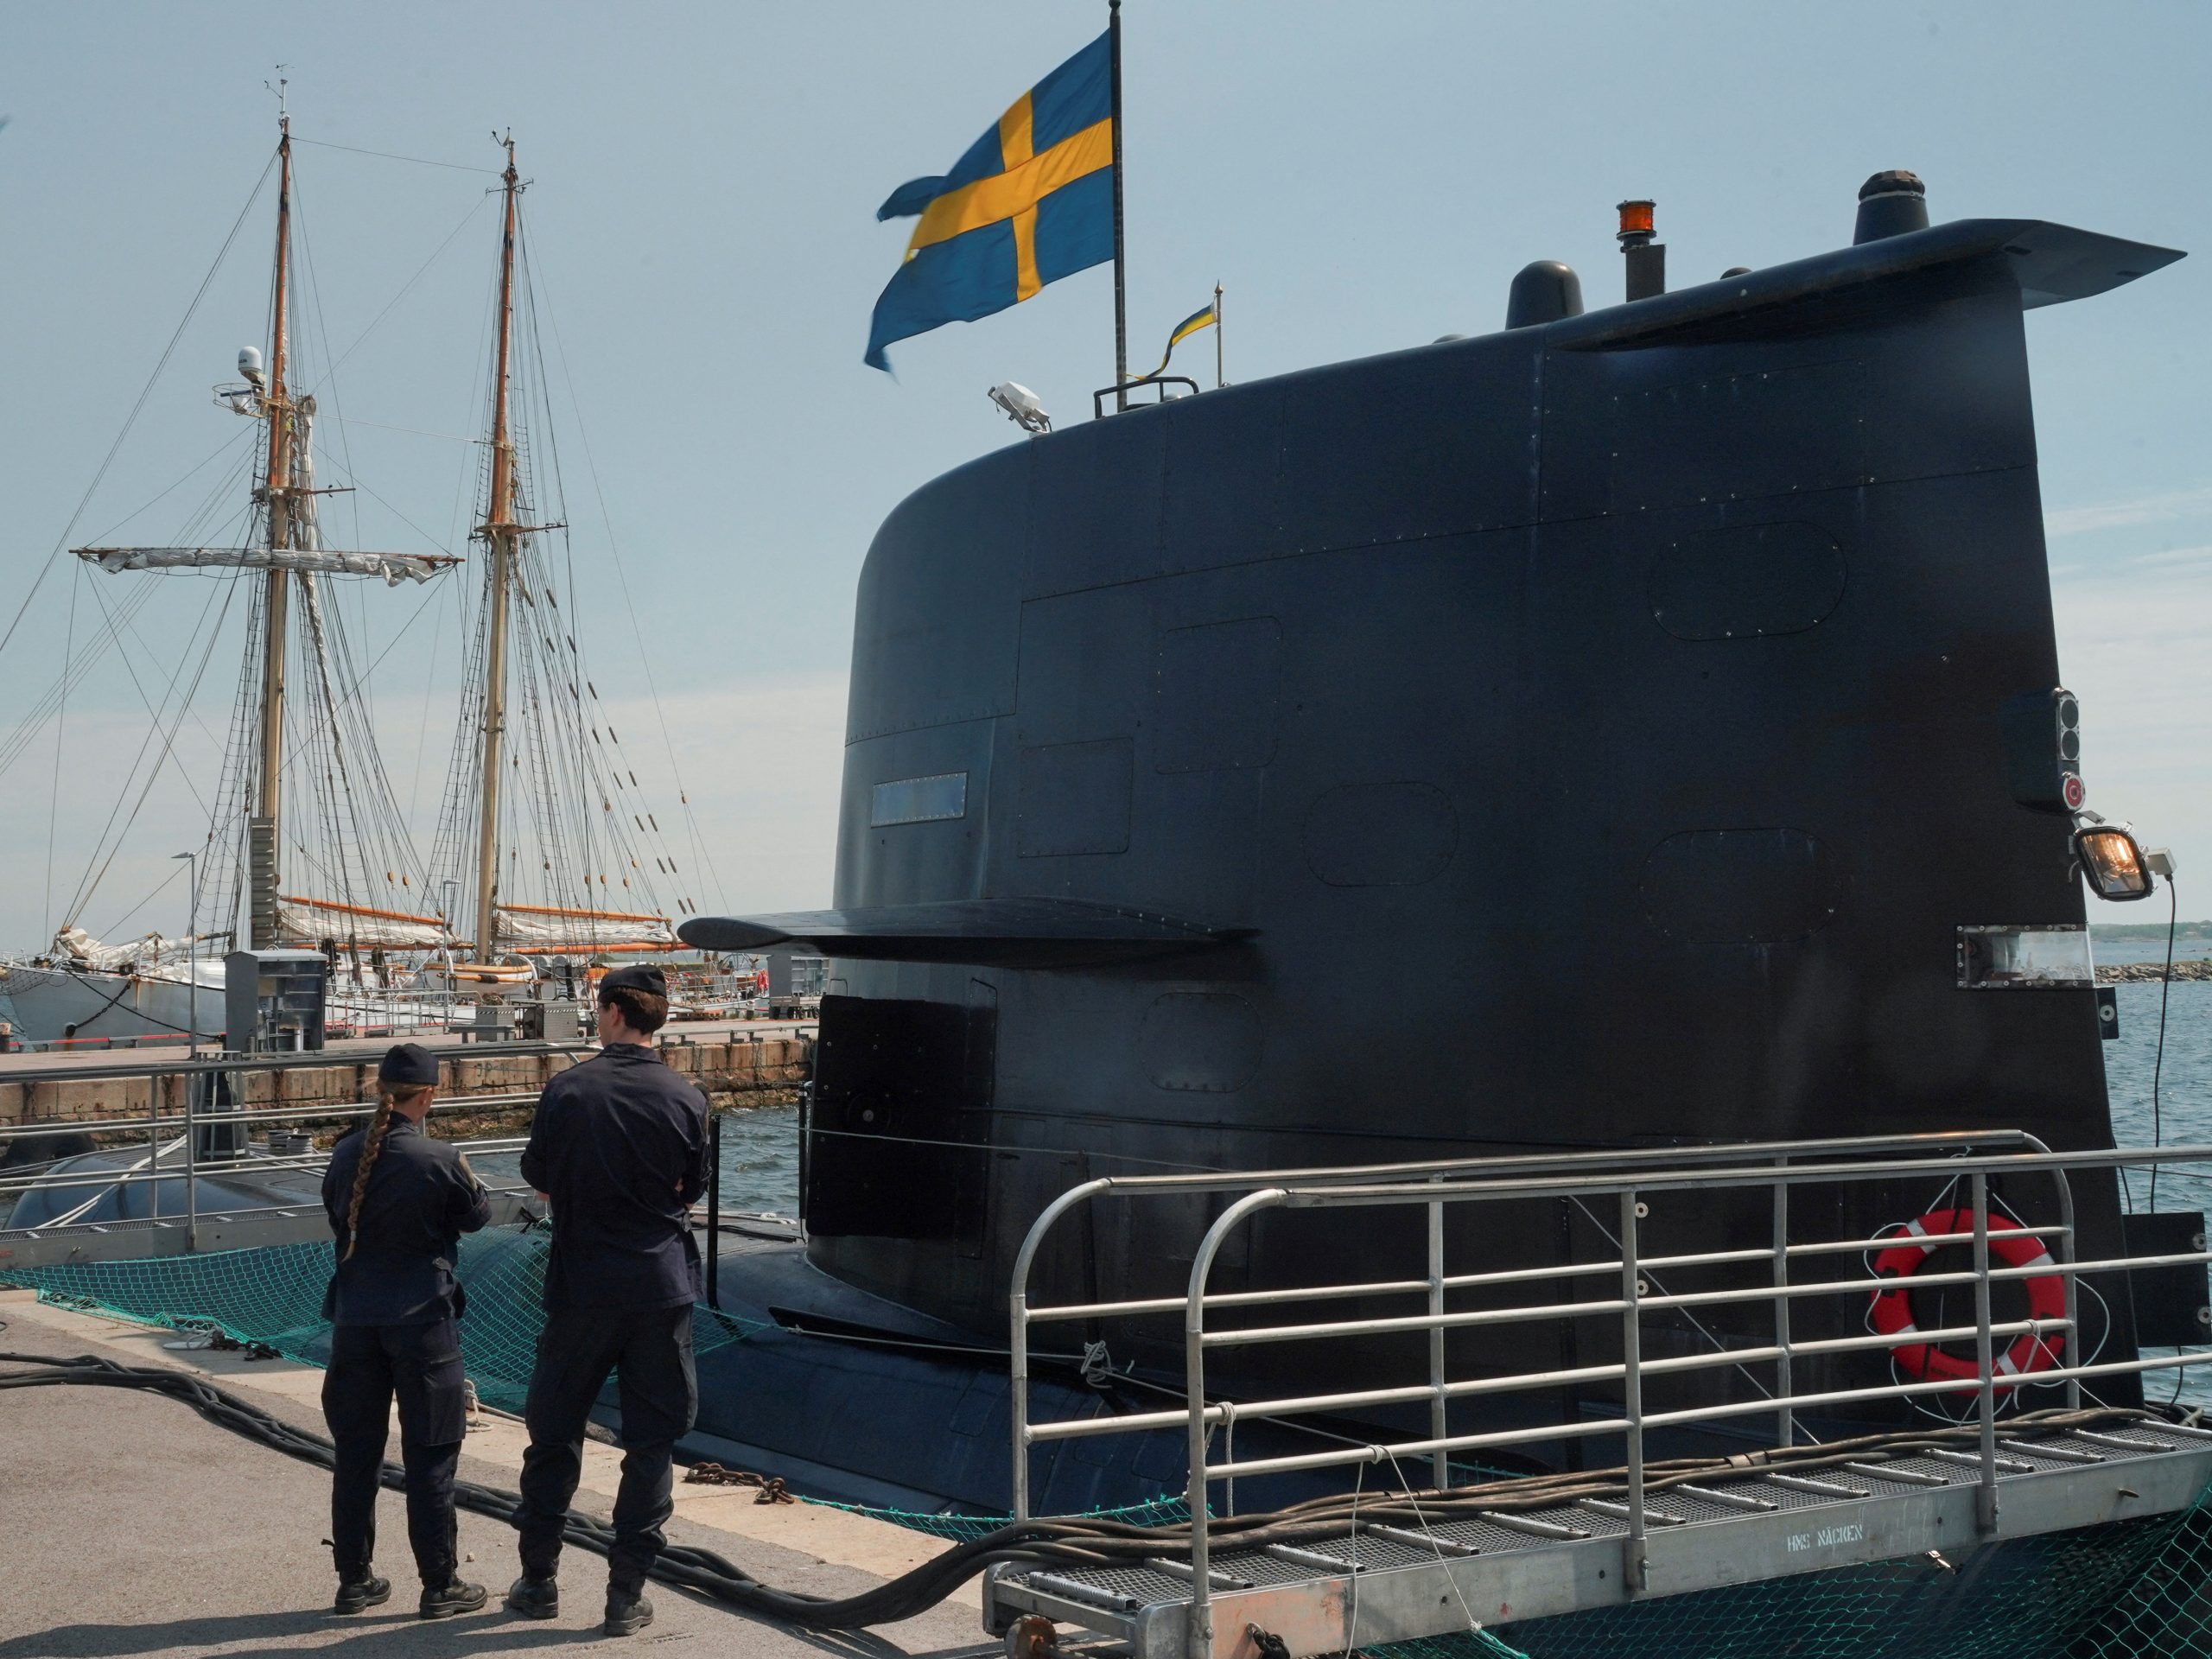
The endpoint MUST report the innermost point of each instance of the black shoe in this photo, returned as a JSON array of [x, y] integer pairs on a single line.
[[454, 1596], [535, 1598], [358, 1595], [627, 1611]]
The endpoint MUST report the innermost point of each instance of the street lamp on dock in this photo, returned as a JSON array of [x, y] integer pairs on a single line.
[[192, 951]]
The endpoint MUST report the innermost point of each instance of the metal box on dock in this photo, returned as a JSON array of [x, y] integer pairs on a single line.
[[795, 974], [274, 1000]]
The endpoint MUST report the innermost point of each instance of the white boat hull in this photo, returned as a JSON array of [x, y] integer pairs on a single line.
[[54, 1005], [59, 1005]]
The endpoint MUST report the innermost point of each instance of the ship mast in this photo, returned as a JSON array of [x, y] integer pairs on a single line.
[[261, 830], [500, 533]]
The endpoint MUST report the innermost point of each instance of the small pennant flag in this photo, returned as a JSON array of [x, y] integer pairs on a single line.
[[1190, 325]]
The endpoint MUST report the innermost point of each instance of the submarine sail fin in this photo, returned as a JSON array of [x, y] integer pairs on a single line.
[[1000, 932]]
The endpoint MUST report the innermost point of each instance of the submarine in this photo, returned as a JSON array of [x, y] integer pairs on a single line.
[[1617, 731]]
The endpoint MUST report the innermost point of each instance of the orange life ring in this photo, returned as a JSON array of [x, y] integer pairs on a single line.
[[2008, 1243]]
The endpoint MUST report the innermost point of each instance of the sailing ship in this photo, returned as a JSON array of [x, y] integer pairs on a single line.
[[541, 822]]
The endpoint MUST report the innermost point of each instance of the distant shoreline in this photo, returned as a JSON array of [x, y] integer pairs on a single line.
[[2133, 973]]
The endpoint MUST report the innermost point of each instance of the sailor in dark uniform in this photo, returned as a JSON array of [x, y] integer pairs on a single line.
[[620, 1150], [399, 1203]]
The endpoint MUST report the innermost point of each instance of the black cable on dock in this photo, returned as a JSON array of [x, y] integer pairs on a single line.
[[1076, 1541]]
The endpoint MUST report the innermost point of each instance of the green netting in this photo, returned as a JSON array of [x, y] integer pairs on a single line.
[[1159, 1512], [2125, 1591], [273, 1296], [2117, 1592]]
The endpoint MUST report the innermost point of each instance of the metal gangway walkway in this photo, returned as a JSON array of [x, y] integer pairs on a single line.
[[1388, 1563]]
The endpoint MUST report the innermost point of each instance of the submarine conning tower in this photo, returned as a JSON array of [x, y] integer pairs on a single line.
[[1585, 734]]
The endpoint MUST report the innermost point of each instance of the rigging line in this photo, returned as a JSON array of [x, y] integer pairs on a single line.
[[175, 875], [591, 466], [77, 905], [328, 377], [412, 431], [322, 333], [61, 726], [342, 782], [482, 446], [124, 618], [354, 478], [230, 442], [209, 522], [388, 155], [131, 420], [562, 751], [82, 895], [466, 220], [392, 826], [389, 647], [18, 741], [125, 658]]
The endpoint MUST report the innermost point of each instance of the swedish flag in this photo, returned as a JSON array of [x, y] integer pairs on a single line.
[[1031, 201]]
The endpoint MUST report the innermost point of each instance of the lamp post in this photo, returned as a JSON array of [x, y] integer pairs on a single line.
[[192, 1052], [192, 951]]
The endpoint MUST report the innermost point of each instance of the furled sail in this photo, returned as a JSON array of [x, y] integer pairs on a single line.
[[155, 950], [305, 553], [530, 928], [394, 568], [303, 921]]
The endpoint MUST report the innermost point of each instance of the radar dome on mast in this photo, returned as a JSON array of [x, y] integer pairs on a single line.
[[249, 365]]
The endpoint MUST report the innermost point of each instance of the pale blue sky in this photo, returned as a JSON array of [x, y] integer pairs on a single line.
[[1361, 177]]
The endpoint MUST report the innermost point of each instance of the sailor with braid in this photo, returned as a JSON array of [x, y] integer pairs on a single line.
[[399, 1203]]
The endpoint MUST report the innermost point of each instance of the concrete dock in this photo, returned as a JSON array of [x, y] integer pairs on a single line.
[[137, 1527]]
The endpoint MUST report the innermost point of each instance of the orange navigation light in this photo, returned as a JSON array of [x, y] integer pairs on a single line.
[[2113, 862], [1635, 219]]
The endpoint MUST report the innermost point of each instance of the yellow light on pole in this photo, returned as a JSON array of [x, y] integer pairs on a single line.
[[2113, 862]]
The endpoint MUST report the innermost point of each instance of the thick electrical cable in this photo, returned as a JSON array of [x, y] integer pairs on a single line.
[[2159, 1063], [1080, 1542]]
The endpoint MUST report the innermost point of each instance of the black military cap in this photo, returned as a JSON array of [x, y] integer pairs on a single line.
[[638, 976], [408, 1065]]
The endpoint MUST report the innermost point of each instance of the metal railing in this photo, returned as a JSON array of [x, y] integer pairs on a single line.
[[350, 1011], [1627, 1180], [172, 1151], [206, 1058]]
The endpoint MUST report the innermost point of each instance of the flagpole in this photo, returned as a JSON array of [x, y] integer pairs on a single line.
[[1218, 382], [1121, 289]]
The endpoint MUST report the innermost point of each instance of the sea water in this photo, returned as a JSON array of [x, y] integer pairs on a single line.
[[760, 1159], [2180, 1111]]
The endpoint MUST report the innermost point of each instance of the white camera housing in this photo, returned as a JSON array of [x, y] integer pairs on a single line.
[[1021, 406]]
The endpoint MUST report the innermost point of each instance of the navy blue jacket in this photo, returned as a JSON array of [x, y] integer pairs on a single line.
[[619, 1145], [421, 1197]]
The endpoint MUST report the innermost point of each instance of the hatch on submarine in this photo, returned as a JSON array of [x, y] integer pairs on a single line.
[[1590, 735]]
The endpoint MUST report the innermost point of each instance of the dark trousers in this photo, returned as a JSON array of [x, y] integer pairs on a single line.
[[649, 1350], [370, 1364]]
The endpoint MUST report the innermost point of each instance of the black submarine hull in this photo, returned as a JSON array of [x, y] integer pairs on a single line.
[[1589, 735]]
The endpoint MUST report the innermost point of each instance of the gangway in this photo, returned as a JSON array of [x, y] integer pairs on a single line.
[[1388, 1563]]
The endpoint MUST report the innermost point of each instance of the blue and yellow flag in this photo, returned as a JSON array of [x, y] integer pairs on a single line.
[[1031, 201], [1183, 330]]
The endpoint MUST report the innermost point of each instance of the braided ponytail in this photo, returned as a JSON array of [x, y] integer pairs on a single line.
[[371, 1144]]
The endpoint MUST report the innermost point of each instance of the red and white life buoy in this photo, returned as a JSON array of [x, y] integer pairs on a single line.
[[2009, 1243]]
